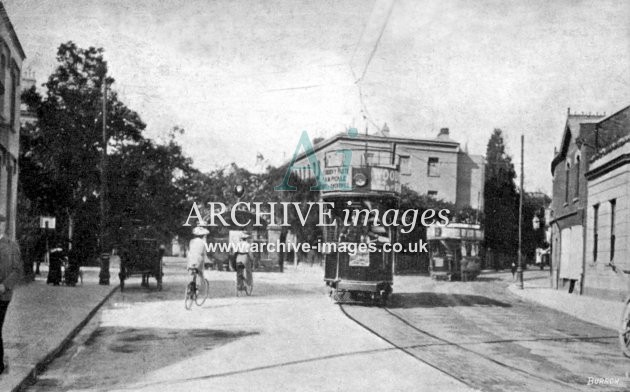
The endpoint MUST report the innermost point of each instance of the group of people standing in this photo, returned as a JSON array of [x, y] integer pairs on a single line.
[[58, 257]]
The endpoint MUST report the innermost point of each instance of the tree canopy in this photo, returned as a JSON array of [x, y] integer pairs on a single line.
[[501, 197], [61, 156]]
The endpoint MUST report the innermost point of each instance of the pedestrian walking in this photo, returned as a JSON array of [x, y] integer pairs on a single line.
[[10, 275], [513, 270], [56, 258]]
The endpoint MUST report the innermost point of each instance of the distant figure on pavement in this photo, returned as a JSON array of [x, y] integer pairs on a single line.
[[513, 270], [56, 258], [73, 270], [10, 274], [244, 257]]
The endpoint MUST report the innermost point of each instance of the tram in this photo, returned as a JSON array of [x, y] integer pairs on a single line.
[[454, 251], [356, 266]]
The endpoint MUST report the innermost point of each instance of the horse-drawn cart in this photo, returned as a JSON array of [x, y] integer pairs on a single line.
[[141, 257]]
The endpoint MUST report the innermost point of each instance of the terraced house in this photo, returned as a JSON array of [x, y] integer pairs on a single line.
[[584, 138]]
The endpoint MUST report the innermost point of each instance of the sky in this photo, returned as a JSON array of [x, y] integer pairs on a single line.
[[246, 77]]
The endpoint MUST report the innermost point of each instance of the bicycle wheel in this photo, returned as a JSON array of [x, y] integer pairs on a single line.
[[239, 284], [249, 286], [190, 295], [204, 291]]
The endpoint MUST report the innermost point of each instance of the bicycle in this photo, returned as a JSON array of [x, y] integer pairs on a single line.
[[196, 293], [241, 282]]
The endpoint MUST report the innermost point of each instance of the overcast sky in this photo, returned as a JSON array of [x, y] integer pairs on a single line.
[[244, 77]]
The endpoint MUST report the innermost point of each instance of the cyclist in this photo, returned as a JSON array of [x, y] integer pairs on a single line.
[[197, 256], [244, 258]]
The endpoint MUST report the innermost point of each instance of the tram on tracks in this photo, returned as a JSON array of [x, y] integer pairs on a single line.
[[454, 251], [356, 266]]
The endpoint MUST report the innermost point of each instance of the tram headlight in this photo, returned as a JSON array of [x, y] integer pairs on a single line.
[[360, 180]]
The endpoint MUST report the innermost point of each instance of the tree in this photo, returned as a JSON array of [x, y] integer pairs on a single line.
[[149, 182], [64, 149], [501, 198]]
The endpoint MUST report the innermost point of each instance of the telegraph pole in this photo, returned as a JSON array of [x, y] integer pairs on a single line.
[[519, 270], [104, 254], [103, 206]]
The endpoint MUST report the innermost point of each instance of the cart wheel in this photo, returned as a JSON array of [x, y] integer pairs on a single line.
[[624, 331]]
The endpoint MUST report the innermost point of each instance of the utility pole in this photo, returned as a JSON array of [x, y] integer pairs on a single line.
[[103, 206], [104, 254], [519, 270]]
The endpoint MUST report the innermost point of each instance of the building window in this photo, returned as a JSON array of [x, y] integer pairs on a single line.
[[595, 233], [14, 91], [613, 205], [3, 66], [405, 167], [434, 170], [577, 177], [432, 194], [566, 183]]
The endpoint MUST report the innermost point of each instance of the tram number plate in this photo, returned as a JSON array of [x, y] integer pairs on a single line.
[[438, 262], [359, 259]]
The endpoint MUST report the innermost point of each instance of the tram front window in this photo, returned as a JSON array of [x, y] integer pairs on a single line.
[[469, 248]]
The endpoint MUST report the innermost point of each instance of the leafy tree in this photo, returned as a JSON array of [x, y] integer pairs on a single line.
[[148, 181], [501, 198], [148, 187], [62, 152]]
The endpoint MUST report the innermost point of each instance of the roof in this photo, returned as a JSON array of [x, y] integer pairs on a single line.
[[14, 37], [613, 115], [572, 127], [615, 145], [381, 139], [608, 149]]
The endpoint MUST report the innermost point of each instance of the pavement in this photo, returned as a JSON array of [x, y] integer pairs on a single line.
[[43, 319], [536, 288]]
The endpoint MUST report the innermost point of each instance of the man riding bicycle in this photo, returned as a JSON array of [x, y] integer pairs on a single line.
[[197, 256], [244, 259]]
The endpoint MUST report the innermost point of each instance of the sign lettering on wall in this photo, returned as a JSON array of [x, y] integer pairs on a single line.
[[338, 177], [384, 179]]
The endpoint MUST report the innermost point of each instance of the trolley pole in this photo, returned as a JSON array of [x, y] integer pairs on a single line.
[[519, 270]]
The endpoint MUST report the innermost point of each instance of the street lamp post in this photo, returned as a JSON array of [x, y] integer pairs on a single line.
[[519, 270]]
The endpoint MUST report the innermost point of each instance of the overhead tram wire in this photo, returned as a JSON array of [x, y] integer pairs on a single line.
[[359, 80]]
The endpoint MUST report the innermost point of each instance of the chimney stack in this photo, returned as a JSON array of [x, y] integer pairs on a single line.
[[385, 130], [443, 133]]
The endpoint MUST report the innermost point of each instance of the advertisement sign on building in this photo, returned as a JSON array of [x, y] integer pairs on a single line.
[[338, 178], [385, 179]]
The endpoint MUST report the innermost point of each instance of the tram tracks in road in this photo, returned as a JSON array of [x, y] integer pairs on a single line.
[[461, 352]]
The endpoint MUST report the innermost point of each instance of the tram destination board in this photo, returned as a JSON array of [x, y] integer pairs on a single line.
[[359, 259]]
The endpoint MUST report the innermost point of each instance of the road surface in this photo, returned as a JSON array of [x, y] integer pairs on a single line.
[[449, 336]]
